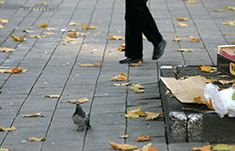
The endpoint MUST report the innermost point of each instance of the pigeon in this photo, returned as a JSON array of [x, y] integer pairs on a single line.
[[81, 118]]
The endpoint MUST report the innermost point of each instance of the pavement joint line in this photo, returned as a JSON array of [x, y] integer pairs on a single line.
[[198, 32]]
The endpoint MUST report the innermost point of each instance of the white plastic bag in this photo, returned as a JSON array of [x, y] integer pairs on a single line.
[[221, 100]]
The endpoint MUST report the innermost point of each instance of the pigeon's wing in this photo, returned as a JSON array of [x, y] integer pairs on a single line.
[[75, 119]]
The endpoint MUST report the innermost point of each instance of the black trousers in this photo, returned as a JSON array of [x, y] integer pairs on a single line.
[[139, 20]]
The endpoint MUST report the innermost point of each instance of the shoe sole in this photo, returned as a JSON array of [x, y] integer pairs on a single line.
[[132, 61], [164, 46]]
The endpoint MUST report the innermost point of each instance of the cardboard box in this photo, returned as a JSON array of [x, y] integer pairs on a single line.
[[226, 59]]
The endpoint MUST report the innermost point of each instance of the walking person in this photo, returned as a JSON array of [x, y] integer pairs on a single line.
[[139, 20]]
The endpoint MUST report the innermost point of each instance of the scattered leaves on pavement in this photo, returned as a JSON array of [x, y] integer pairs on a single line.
[[43, 25], [18, 38], [136, 113], [122, 84], [81, 100], [4, 49], [124, 136], [33, 115], [122, 47], [37, 36], [4, 21], [121, 77], [75, 24], [142, 138], [137, 88], [1, 27], [52, 96], [177, 39], [87, 27], [67, 39], [116, 37], [91, 65], [191, 2], [194, 39], [185, 50], [230, 23], [122, 147], [35, 139], [207, 68], [136, 64], [151, 115], [182, 25], [230, 8], [181, 19], [7, 129]]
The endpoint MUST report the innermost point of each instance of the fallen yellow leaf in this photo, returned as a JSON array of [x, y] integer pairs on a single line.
[[35, 139], [4, 49], [4, 149], [4, 21], [185, 50], [122, 47], [18, 38], [74, 24], [182, 25], [207, 68], [1, 27], [121, 77], [72, 35], [230, 23], [122, 84], [230, 8], [117, 37], [138, 88], [67, 39], [152, 115], [142, 138], [81, 100], [177, 39], [122, 147], [193, 39], [136, 113], [204, 148], [2, 2], [52, 96], [91, 65], [37, 36], [147, 148], [87, 27], [7, 129], [49, 33], [32, 115], [17, 70], [191, 2], [44, 3], [181, 19], [43, 25]]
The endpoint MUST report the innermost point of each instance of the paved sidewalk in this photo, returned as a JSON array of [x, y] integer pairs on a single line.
[[53, 69]]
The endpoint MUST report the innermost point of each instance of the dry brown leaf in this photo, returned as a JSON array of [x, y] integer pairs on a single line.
[[17, 70], [7, 129], [52, 96], [136, 64], [81, 33], [138, 88], [117, 37], [32, 115], [122, 47], [81, 100], [75, 24], [152, 115], [4, 21], [87, 27], [121, 77], [100, 22], [136, 113], [4, 49], [18, 38], [122, 147], [147, 148], [207, 68], [124, 136], [0, 107], [182, 25], [175, 71], [219, 10], [227, 81], [177, 39], [194, 39], [209, 105], [49, 33], [181, 19], [35, 139], [233, 42], [44, 3], [43, 25], [142, 138], [72, 35], [91, 65]]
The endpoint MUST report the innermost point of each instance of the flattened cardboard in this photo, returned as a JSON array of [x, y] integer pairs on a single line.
[[186, 90]]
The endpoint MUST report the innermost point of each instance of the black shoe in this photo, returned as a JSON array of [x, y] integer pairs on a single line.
[[159, 50], [130, 60]]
